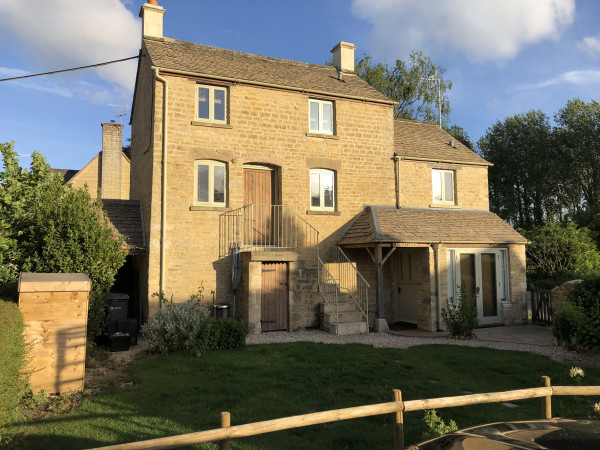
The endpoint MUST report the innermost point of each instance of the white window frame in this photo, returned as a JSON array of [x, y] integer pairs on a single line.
[[440, 174], [321, 190], [211, 182], [320, 129], [211, 104]]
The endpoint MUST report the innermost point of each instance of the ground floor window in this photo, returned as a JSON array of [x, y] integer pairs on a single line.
[[484, 271]]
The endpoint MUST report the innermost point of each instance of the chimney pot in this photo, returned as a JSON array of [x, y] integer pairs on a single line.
[[153, 2], [343, 56]]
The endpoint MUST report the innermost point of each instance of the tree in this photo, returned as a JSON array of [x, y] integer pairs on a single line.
[[460, 135], [408, 85], [524, 186], [560, 252], [578, 138], [48, 226]]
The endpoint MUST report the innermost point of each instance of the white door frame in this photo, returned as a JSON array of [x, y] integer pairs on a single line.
[[502, 284]]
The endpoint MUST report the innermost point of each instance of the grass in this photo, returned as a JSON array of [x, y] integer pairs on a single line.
[[180, 394]]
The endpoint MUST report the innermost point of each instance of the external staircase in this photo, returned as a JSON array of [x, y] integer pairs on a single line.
[[344, 291]]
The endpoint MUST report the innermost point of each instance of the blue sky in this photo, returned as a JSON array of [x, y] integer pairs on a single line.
[[503, 57]]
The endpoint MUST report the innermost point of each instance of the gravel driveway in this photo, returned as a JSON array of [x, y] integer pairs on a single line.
[[385, 340]]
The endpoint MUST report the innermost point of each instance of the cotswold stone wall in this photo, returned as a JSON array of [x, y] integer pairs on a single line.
[[471, 185]]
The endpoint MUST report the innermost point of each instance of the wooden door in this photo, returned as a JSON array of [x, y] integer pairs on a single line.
[[259, 190], [274, 297], [407, 292]]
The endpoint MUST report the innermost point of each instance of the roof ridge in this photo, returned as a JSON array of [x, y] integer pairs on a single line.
[[248, 54]]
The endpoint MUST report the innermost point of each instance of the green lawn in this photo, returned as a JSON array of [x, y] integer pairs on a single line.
[[181, 394]]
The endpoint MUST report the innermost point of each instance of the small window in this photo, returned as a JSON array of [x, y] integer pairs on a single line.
[[210, 183], [443, 186], [322, 190], [212, 104], [320, 116]]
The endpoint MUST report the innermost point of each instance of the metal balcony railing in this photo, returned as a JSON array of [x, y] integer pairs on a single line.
[[267, 227]]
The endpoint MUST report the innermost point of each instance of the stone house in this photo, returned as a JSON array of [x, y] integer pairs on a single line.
[[345, 217]]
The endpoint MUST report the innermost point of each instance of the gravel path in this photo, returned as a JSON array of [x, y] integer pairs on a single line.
[[384, 340]]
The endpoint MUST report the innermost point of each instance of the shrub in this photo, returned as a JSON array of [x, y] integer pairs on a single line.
[[13, 380], [47, 226], [460, 318], [178, 328], [579, 322], [560, 252], [436, 425], [224, 334], [188, 328]]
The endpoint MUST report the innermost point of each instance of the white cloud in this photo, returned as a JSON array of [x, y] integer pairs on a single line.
[[574, 77], [484, 30], [61, 34], [590, 45]]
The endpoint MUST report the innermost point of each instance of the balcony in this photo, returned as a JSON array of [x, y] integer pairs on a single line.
[[267, 228]]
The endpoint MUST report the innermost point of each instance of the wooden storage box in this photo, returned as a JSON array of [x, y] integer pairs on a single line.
[[55, 311]]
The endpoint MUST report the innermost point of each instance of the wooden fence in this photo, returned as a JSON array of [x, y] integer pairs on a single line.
[[541, 307], [397, 407]]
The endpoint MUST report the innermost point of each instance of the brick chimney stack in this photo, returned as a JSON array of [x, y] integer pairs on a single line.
[[152, 19], [343, 56], [112, 157]]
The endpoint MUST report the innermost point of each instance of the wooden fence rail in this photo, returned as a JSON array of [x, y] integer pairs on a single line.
[[396, 407]]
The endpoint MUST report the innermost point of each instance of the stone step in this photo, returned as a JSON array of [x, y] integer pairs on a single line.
[[342, 307], [345, 316], [347, 328]]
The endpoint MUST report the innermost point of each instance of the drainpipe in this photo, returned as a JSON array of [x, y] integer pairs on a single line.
[[163, 215], [436, 252], [397, 160]]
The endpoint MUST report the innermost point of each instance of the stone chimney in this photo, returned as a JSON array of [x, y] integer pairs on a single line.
[[152, 19], [112, 157], [343, 56]]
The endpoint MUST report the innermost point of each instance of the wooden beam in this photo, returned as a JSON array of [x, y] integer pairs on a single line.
[[389, 253], [379, 290], [371, 254]]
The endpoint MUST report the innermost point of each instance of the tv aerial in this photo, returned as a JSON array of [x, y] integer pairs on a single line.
[[120, 114]]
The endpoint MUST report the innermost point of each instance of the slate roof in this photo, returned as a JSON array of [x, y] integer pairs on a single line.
[[67, 174], [125, 216], [427, 226], [427, 141], [173, 54]]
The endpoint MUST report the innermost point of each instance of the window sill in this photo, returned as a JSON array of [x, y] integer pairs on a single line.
[[312, 212], [210, 208], [444, 205], [323, 136], [210, 124]]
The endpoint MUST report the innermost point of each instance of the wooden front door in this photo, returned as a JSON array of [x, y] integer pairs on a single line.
[[274, 297], [259, 191], [407, 292]]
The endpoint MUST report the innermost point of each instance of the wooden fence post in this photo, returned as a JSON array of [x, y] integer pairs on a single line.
[[398, 422], [546, 401], [225, 423]]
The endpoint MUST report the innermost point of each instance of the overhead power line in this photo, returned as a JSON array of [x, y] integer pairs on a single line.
[[70, 70]]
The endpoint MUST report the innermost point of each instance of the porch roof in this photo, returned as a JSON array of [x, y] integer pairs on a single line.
[[125, 216], [414, 226]]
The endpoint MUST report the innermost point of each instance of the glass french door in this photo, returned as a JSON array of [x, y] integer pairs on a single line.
[[485, 275]]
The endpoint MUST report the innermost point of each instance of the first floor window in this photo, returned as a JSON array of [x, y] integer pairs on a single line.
[[443, 186], [212, 104], [320, 116], [210, 183], [322, 189]]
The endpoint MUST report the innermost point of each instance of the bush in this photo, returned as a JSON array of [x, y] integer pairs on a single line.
[[224, 334], [47, 226], [579, 322], [460, 318], [188, 328], [436, 425], [13, 380], [560, 252]]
